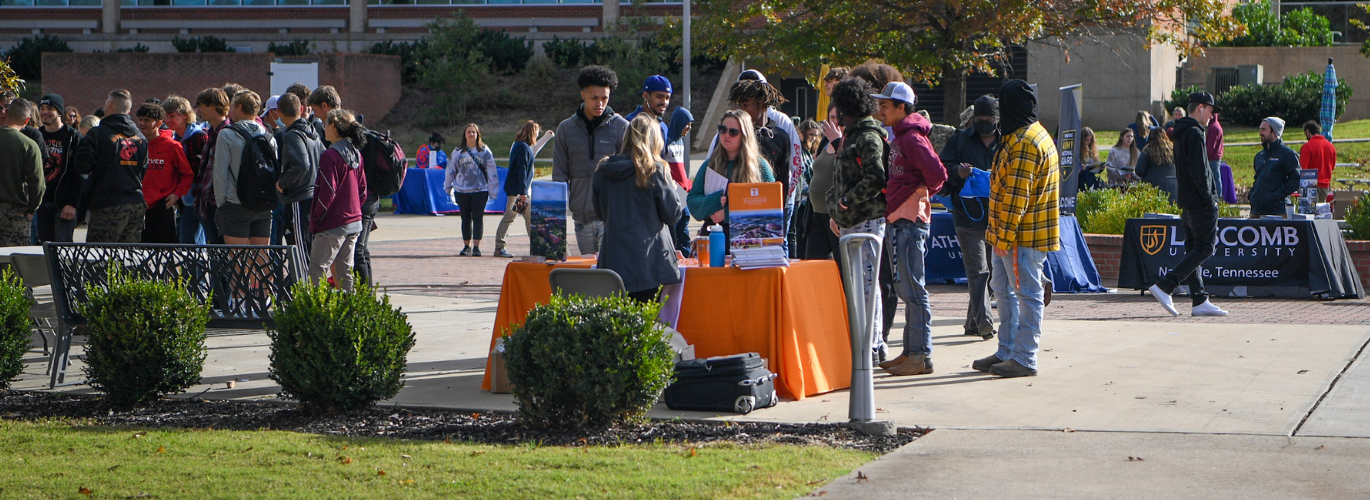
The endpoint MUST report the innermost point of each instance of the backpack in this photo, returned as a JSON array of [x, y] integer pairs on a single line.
[[384, 164], [258, 171]]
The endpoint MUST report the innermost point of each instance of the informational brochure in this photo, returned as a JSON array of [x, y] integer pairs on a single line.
[[756, 215], [714, 182], [549, 207]]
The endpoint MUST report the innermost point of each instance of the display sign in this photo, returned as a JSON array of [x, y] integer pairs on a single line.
[[1308, 191], [1068, 145], [756, 215], [548, 207]]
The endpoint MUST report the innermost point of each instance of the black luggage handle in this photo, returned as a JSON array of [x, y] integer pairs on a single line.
[[757, 381]]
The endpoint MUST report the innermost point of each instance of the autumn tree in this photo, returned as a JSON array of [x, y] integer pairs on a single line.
[[942, 41]]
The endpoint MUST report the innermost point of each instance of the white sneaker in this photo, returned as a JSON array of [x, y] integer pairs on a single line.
[[1164, 299], [1208, 309]]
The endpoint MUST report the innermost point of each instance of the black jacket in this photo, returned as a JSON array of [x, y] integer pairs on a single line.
[[300, 152], [1277, 176], [774, 146], [114, 156], [637, 224], [1155, 173], [1195, 182], [63, 185], [965, 146]]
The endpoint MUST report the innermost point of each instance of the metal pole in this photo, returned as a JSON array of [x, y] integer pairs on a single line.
[[862, 316], [685, 49]]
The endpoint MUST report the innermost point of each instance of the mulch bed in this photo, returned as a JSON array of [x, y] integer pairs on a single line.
[[406, 423]]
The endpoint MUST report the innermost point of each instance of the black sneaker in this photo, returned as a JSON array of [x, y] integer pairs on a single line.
[[465, 252], [1011, 369], [984, 364], [475, 252]]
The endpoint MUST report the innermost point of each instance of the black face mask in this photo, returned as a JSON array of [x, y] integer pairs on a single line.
[[987, 129]]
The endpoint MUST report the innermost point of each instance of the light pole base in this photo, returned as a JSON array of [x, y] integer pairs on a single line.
[[874, 427]]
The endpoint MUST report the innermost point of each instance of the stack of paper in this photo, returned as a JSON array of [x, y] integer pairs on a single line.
[[760, 257]]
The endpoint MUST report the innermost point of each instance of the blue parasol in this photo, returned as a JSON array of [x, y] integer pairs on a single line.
[[1329, 100]]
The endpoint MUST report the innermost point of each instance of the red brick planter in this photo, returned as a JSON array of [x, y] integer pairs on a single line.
[[1107, 250], [1360, 253]]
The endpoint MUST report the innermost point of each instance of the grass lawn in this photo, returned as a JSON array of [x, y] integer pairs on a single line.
[[61, 459], [1242, 157]]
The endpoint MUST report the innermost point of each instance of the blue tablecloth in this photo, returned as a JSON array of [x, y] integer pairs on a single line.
[[1071, 269], [422, 193]]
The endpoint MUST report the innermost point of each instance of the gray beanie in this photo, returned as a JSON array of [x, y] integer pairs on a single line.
[[1276, 125]]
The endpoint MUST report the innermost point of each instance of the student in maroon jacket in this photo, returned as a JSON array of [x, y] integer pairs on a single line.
[[167, 178], [915, 172], [339, 192]]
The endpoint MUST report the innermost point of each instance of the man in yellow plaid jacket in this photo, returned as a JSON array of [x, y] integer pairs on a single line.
[[1023, 226]]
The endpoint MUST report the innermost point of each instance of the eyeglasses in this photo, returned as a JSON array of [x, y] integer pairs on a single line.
[[729, 131]]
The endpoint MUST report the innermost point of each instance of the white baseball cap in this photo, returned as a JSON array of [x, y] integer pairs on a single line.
[[270, 104], [898, 91]]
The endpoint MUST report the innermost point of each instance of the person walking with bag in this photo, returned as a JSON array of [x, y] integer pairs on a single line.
[[471, 180], [969, 156]]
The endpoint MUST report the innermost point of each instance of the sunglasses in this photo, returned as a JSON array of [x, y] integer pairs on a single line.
[[729, 131]]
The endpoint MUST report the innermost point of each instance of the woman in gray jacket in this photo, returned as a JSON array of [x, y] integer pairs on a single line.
[[635, 197], [472, 179]]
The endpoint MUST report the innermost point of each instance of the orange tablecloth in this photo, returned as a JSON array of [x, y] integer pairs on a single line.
[[796, 317]]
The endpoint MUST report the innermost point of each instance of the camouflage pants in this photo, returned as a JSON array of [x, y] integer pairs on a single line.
[[117, 224], [14, 225]]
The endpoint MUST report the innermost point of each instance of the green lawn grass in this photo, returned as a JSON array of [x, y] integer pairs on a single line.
[[60, 459]]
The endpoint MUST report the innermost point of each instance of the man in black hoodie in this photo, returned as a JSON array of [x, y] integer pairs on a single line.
[[56, 217], [1198, 198], [300, 152], [113, 157]]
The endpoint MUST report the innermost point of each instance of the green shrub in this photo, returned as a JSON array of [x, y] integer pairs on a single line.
[[506, 54], [566, 53], [147, 339], [1179, 98], [1358, 217], [1297, 100], [455, 66], [27, 56], [16, 329], [581, 362], [1106, 211], [1296, 28], [296, 48], [338, 351], [201, 44], [413, 56]]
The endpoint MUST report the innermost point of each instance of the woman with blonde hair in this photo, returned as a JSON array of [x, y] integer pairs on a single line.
[[737, 158], [519, 184], [1156, 165], [471, 180], [1141, 129], [635, 197]]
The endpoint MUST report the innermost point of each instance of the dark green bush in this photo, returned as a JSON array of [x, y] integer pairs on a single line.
[[296, 48], [27, 57], [338, 351], [201, 44], [455, 66], [566, 53], [16, 329], [413, 55], [1179, 98], [507, 54], [147, 339], [1296, 100], [581, 362], [1358, 217]]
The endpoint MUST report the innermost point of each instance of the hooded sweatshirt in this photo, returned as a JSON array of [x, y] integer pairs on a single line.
[[340, 190], [228, 156], [114, 156], [300, 152], [579, 145], [1024, 192], [675, 146], [63, 185], [168, 171], [915, 171], [637, 240], [1197, 188]]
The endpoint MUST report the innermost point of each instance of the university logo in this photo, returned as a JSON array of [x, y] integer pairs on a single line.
[[1153, 239], [756, 192]]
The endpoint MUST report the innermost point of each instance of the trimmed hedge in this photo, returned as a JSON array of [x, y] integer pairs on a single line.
[[16, 329]]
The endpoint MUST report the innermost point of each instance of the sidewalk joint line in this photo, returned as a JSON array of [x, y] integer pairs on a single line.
[[1330, 386]]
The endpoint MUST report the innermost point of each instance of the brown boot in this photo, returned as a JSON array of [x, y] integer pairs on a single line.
[[917, 364], [894, 361]]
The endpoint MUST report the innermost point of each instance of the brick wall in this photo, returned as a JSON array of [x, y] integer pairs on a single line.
[[1360, 254], [1107, 250], [85, 79], [368, 83]]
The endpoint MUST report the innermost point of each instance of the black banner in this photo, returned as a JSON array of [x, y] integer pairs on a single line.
[[1253, 258]]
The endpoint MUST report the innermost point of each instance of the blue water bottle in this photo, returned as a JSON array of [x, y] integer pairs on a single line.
[[717, 245]]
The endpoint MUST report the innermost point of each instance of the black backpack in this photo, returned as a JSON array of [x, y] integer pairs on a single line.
[[384, 163], [258, 171]]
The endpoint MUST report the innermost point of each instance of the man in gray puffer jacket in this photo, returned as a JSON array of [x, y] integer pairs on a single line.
[[590, 135], [300, 151]]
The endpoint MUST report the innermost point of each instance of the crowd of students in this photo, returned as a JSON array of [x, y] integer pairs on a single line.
[[169, 170]]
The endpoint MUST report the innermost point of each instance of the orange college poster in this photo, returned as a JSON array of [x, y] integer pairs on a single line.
[[756, 215]]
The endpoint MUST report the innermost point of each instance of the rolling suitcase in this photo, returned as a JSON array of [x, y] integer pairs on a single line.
[[739, 384]]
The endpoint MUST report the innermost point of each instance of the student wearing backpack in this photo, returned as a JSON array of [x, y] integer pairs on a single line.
[[339, 192], [471, 180], [300, 152], [242, 220]]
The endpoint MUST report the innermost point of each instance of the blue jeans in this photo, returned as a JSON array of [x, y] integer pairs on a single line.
[[1018, 289], [188, 225], [907, 249]]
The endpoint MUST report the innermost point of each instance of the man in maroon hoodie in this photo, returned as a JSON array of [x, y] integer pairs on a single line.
[[915, 171], [167, 178]]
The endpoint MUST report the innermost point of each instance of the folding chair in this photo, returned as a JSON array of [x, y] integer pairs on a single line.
[[591, 283], [33, 270]]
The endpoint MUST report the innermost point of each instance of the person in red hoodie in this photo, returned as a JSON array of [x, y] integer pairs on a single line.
[[167, 178], [339, 192], [1318, 154], [915, 172]]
